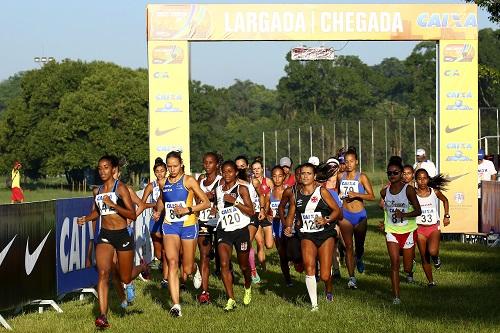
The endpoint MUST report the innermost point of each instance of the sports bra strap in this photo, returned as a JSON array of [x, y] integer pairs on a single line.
[[115, 185]]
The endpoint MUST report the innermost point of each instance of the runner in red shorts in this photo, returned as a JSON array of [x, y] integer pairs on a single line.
[[401, 207], [429, 234]]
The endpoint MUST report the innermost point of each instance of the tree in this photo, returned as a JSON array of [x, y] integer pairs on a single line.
[[492, 6]]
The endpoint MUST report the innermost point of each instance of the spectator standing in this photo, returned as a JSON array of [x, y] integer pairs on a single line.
[[17, 195], [424, 163], [485, 171]]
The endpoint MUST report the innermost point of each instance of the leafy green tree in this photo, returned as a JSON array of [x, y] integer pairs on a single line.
[[492, 6], [9, 89]]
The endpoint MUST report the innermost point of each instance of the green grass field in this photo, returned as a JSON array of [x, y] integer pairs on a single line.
[[467, 299]]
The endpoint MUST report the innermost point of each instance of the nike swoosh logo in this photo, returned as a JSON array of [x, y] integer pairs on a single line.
[[3, 254], [31, 259], [453, 129], [125, 245], [159, 132], [456, 177]]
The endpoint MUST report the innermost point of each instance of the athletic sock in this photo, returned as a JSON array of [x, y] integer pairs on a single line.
[[311, 285], [251, 261]]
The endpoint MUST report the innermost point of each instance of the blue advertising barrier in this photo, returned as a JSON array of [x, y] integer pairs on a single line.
[[75, 266]]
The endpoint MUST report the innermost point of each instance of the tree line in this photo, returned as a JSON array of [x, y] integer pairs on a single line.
[[61, 118]]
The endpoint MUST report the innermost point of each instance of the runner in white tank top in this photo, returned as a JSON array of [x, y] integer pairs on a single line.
[[208, 183], [150, 195], [429, 234]]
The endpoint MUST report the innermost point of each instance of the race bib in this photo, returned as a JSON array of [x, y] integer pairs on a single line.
[[231, 219], [347, 186], [170, 216], [428, 216], [309, 222], [274, 207], [205, 215], [103, 208], [400, 222]]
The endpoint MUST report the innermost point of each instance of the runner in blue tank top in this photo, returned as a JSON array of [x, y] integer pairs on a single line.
[[354, 189], [180, 228]]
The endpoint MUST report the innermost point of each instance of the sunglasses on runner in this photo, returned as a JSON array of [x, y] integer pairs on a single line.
[[393, 173]]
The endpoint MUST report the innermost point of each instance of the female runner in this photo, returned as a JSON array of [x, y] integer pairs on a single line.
[[263, 232], [180, 229], [317, 213], [272, 202], [153, 189], [401, 207], [114, 206], [208, 183], [428, 231], [354, 189], [235, 208]]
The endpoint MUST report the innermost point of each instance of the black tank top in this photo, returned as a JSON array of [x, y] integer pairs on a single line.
[[313, 202]]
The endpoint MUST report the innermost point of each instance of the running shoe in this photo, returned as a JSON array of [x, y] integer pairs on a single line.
[[351, 284], [437, 262], [396, 301], [204, 298], [248, 296], [130, 288], [329, 297], [409, 278], [146, 273], [197, 278], [164, 284], [230, 305], [101, 322], [255, 278], [336, 274], [431, 284], [315, 309], [175, 311], [289, 284], [124, 304], [183, 287], [360, 265]]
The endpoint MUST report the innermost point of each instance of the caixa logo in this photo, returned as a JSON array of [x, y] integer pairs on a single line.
[[447, 20], [73, 244], [161, 75], [452, 72]]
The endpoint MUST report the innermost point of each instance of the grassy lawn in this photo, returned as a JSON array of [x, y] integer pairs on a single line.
[[41, 194], [466, 299]]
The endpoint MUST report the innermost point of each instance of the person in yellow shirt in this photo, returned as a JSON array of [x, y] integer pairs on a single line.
[[17, 192]]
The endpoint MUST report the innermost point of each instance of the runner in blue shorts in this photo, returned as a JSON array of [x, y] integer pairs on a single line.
[[150, 196], [354, 189], [180, 228]]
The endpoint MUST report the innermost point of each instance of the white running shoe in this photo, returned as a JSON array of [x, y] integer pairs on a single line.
[[197, 278], [315, 309], [175, 311], [351, 284], [396, 301]]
